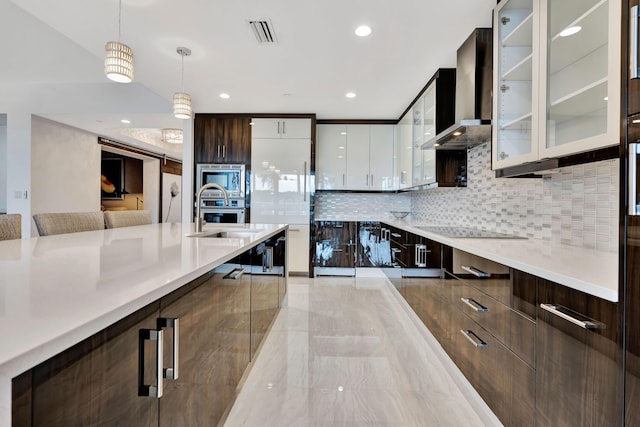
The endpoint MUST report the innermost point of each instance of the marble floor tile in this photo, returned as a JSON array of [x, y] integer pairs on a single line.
[[346, 352]]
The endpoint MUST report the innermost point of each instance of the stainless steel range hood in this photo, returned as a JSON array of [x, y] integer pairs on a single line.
[[474, 80]]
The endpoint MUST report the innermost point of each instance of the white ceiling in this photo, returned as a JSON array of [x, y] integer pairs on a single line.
[[316, 61]]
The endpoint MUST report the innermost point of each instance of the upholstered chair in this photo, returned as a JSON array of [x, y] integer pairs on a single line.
[[68, 222], [116, 219], [10, 226]]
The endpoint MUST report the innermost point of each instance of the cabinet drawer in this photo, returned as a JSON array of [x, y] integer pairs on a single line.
[[505, 382], [513, 330]]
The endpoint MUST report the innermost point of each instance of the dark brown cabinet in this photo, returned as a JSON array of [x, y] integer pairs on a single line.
[[632, 322], [222, 139], [335, 245], [578, 363], [177, 361], [417, 255]]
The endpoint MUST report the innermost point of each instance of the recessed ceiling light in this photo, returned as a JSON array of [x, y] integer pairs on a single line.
[[225, 95], [350, 95], [126, 121], [606, 98], [343, 133], [569, 31], [363, 31]]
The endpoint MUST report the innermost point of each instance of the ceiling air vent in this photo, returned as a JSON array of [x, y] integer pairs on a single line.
[[263, 30]]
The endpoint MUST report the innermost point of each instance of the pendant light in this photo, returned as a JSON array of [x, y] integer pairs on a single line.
[[182, 100], [118, 62]]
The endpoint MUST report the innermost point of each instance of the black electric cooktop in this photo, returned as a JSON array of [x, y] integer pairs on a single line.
[[467, 232]]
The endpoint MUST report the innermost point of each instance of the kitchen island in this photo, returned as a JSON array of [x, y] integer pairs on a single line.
[[57, 291]]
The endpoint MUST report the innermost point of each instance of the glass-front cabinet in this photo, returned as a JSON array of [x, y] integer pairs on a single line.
[[572, 48], [418, 109], [582, 75], [515, 130]]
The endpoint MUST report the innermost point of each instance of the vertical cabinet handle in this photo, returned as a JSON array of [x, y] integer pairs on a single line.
[[145, 389], [421, 255], [304, 180], [173, 323], [634, 72], [284, 129], [366, 180], [573, 317], [278, 127], [224, 151], [372, 180], [470, 335], [267, 259], [343, 180], [218, 149], [633, 176], [403, 177]]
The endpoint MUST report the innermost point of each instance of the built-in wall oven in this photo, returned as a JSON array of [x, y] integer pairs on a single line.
[[232, 178]]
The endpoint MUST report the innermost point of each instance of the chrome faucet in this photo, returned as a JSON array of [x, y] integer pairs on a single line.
[[199, 220]]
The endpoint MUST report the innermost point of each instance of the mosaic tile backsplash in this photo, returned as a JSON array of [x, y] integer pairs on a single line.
[[576, 205]]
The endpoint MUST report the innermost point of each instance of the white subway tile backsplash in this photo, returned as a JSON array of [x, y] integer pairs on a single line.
[[576, 206]]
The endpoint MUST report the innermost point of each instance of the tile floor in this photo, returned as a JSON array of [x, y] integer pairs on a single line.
[[350, 352]]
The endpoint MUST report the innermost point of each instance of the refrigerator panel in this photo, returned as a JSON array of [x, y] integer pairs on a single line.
[[280, 181]]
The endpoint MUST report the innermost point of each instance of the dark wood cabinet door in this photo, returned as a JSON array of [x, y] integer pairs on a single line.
[[578, 375], [265, 280], [335, 244], [632, 301], [96, 381], [219, 139], [213, 345]]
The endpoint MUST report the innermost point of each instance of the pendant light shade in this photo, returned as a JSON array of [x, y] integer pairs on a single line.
[[181, 105], [172, 136], [118, 61], [182, 100]]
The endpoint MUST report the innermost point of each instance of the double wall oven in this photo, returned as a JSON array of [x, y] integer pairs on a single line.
[[232, 178]]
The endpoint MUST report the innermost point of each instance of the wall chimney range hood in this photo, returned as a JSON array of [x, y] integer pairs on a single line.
[[474, 80]]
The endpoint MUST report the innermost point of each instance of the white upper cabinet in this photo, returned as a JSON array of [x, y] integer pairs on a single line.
[[572, 48], [355, 157], [281, 128], [358, 157], [331, 170], [381, 159], [405, 152]]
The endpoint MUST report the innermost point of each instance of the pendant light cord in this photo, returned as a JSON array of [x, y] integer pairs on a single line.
[[182, 78], [119, 18]]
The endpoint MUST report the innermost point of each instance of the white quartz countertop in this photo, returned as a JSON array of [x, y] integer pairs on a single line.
[[56, 291], [587, 270]]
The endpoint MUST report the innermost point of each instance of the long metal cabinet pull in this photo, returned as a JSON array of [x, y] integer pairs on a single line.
[[475, 305], [304, 179], [468, 335], [278, 127], [173, 323], [145, 389], [475, 271], [224, 151], [558, 311], [218, 150], [633, 176], [234, 274], [284, 129], [634, 73]]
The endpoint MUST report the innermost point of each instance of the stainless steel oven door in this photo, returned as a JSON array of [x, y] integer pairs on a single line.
[[222, 215]]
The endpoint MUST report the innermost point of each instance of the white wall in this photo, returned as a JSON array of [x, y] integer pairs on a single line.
[[151, 187], [65, 169]]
